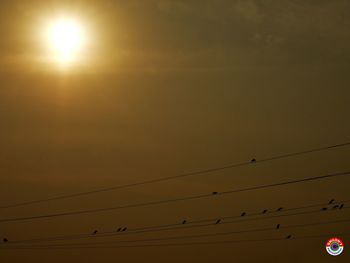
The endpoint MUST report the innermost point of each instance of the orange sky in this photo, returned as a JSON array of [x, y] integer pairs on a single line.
[[166, 87]]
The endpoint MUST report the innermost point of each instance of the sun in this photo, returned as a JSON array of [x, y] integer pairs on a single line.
[[66, 39]]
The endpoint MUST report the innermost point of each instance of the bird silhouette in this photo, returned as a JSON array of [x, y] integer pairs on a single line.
[[324, 208], [215, 193], [336, 206], [289, 237], [279, 209], [184, 222], [5, 240], [124, 229], [265, 211], [95, 232], [119, 229], [331, 201], [218, 221], [243, 214], [253, 160], [278, 226], [341, 206]]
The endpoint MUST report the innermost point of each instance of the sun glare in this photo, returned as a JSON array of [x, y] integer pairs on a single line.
[[65, 39]]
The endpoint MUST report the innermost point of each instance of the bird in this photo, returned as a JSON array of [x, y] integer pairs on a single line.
[[253, 160], [331, 201], [124, 229], [243, 214], [95, 232], [214, 193], [324, 208], [279, 209], [5, 240], [341, 206], [278, 226], [336, 206], [289, 237], [184, 222], [218, 221], [265, 211], [119, 229]]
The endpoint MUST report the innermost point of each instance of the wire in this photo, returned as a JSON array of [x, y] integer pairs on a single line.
[[207, 235], [169, 244], [204, 171], [194, 197], [230, 222], [193, 224]]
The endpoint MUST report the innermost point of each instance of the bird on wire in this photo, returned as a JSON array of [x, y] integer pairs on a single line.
[[331, 201]]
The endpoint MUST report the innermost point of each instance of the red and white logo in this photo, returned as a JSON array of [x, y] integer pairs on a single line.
[[334, 246]]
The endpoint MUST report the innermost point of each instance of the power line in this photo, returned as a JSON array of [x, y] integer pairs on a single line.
[[200, 172], [172, 244], [254, 230], [194, 197], [192, 224], [228, 222]]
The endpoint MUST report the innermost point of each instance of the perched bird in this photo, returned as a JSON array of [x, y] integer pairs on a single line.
[[336, 206], [184, 222], [119, 229], [324, 208], [278, 226], [341, 206], [265, 211], [95, 232], [215, 193], [5, 240], [331, 201], [279, 209], [124, 229], [243, 214], [253, 160], [218, 221], [289, 237]]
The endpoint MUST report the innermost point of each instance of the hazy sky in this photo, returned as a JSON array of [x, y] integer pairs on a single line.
[[164, 87]]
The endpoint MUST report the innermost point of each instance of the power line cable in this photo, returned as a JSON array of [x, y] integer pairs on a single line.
[[194, 197], [192, 224], [169, 244], [200, 172], [254, 230]]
